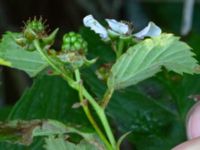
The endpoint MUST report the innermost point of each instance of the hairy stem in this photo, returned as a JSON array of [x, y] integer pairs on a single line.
[[54, 66], [102, 117], [88, 113]]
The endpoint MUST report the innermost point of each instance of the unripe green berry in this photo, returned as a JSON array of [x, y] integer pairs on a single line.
[[73, 39], [74, 42], [77, 45], [71, 34], [36, 25], [34, 29], [66, 40], [84, 45], [66, 46]]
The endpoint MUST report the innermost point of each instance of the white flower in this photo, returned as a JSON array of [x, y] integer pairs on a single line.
[[89, 21], [149, 31], [119, 28]]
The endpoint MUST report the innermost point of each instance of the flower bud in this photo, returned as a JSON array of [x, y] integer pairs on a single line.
[[21, 41], [103, 72]]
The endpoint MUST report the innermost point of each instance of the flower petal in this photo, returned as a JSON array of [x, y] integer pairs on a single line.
[[118, 27], [92, 23], [149, 31]]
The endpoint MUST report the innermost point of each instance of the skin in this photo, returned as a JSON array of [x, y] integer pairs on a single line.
[[193, 130], [193, 144]]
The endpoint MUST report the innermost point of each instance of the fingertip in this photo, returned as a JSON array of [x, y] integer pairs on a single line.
[[193, 144], [193, 122]]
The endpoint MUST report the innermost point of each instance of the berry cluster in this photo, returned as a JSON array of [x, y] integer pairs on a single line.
[[73, 42], [34, 29]]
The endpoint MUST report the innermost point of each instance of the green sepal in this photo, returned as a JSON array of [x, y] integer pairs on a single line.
[[51, 38]]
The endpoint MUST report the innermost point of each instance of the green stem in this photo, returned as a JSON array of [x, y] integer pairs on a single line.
[[100, 111], [88, 113], [53, 65], [119, 49], [108, 94], [37, 46]]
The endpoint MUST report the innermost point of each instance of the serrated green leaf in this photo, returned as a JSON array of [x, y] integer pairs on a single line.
[[146, 59], [12, 55], [131, 106]]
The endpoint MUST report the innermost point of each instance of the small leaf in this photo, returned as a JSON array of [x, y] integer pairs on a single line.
[[146, 59], [17, 131], [23, 132], [59, 143], [119, 142], [12, 55]]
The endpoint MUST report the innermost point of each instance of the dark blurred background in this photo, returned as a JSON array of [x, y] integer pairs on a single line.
[[181, 17]]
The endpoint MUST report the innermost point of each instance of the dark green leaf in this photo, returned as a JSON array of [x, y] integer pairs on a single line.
[[4, 112], [97, 48], [150, 111], [49, 98]]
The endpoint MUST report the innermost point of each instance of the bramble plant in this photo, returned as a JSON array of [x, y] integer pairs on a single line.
[[82, 63]]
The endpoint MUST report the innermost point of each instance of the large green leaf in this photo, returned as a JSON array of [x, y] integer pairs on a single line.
[[154, 114], [48, 98], [146, 59], [182, 90], [4, 111], [150, 121], [12, 55], [154, 110]]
